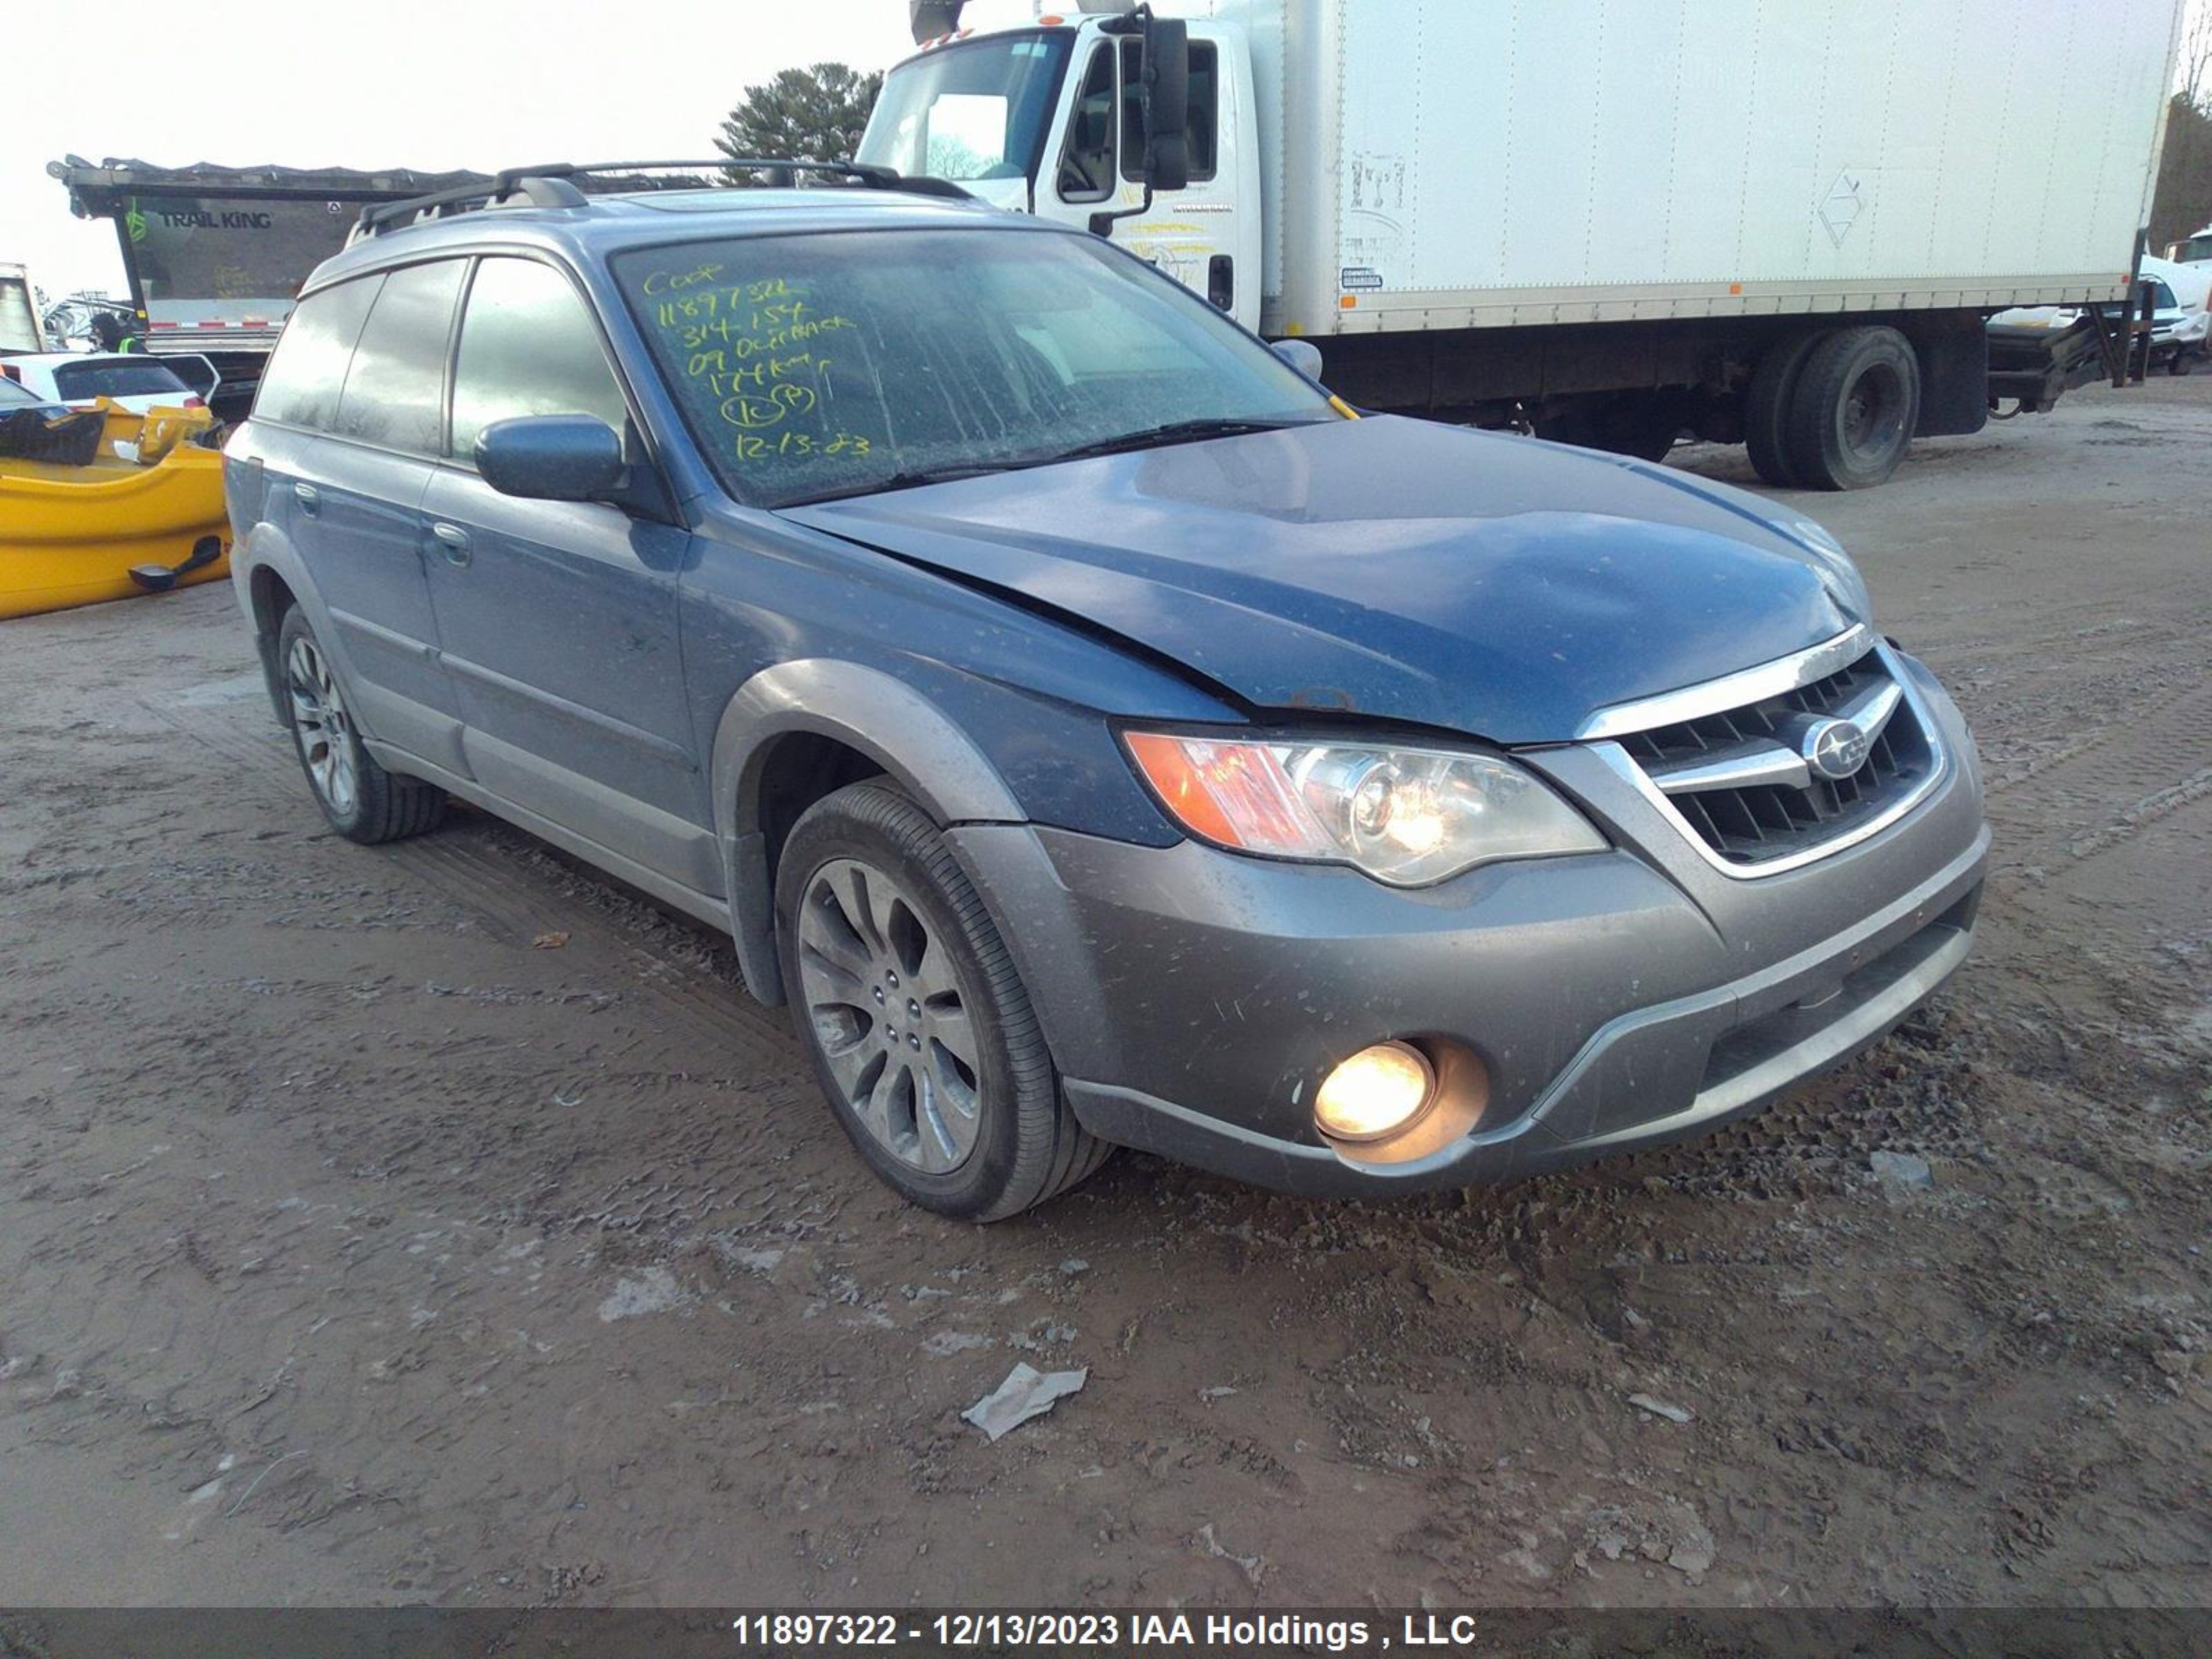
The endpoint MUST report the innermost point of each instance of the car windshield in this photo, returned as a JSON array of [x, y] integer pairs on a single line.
[[834, 364], [974, 111], [13, 395], [116, 377], [2197, 247]]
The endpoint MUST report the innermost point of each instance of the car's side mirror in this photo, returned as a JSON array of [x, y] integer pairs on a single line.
[[552, 457], [1303, 355], [1167, 102]]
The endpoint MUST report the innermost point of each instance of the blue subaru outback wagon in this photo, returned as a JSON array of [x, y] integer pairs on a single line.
[[1095, 733]]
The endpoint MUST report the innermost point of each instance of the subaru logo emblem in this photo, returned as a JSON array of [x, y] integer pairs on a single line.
[[1834, 749]]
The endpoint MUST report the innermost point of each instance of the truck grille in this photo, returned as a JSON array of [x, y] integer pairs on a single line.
[[1745, 780]]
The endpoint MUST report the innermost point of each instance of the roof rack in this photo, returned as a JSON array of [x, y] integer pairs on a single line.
[[550, 185]]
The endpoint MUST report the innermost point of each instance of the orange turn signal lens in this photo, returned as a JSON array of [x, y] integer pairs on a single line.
[[1236, 795]]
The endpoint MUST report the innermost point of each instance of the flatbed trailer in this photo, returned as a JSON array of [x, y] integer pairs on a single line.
[[214, 255]]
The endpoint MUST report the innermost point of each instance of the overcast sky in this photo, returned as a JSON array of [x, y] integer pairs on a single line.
[[429, 84]]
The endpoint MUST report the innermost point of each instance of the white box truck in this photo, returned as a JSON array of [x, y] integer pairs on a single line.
[[1782, 223]]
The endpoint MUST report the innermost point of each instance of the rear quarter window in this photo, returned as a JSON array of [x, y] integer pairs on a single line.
[[307, 371]]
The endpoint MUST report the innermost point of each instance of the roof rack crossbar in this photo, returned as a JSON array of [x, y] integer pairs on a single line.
[[548, 185]]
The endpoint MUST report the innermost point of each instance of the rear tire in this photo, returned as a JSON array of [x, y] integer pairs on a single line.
[[921, 1033], [1766, 409], [1853, 410], [363, 802]]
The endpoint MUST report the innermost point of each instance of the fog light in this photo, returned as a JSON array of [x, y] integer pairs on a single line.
[[1377, 1092]]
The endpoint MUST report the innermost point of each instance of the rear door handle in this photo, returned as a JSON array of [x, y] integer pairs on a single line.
[[309, 498], [452, 541]]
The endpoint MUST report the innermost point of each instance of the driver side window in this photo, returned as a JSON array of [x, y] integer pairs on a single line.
[[528, 348], [1086, 166]]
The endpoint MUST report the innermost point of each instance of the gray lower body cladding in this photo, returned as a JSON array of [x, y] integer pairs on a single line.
[[1195, 1000]]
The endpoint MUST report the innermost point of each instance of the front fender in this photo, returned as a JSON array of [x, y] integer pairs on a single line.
[[934, 761]]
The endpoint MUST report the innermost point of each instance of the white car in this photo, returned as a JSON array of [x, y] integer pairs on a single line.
[[135, 382], [2192, 289]]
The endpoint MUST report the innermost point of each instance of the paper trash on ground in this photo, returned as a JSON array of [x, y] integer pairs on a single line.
[[1026, 1392]]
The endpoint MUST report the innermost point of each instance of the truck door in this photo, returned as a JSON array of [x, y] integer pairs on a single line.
[[1206, 236]]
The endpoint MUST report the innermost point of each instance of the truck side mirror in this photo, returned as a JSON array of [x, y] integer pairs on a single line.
[[1167, 102]]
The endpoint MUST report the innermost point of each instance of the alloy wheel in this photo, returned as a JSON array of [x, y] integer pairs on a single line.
[[887, 1009], [324, 729]]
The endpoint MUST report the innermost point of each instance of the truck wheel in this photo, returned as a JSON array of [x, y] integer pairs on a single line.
[[363, 802], [907, 1000], [2178, 363], [1852, 412], [1766, 408]]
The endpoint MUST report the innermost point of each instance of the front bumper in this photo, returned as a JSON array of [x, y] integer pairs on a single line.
[[1193, 999]]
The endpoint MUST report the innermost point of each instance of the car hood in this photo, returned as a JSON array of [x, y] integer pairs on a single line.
[[1389, 567]]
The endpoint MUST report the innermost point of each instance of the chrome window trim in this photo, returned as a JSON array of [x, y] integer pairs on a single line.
[[1748, 685], [1617, 759]]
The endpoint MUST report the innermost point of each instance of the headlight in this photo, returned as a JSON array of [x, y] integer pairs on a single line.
[[1843, 576], [1407, 816]]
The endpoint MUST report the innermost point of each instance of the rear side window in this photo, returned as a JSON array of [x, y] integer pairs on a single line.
[[76, 381], [307, 370], [395, 392], [528, 347]]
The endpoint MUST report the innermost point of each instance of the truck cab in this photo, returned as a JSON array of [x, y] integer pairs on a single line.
[[1050, 119]]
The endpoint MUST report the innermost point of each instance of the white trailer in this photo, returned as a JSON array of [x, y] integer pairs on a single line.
[[1611, 220]]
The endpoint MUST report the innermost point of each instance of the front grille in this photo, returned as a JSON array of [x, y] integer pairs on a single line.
[[1758, 823]]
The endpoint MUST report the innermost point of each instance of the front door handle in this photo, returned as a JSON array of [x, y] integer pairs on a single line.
[[452, 542], [309, 498]]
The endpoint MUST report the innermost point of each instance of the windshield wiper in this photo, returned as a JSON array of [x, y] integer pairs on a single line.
[[913, 479], [1152, 437], [1175, 432]]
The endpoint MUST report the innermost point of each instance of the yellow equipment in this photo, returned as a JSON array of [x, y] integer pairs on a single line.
[[145, 516]]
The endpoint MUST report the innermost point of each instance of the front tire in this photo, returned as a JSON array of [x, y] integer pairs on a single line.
[[907, 1000], [363, 802]]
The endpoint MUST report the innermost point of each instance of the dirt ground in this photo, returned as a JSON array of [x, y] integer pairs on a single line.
[[357, 1246]]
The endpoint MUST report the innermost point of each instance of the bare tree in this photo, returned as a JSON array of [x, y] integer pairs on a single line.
[[2194, 70]]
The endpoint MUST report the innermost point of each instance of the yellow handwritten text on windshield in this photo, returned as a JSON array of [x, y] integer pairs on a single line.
[[756, 351]]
